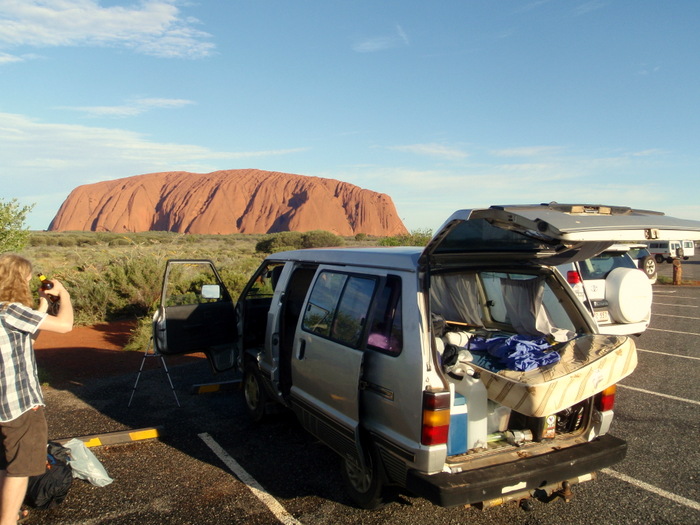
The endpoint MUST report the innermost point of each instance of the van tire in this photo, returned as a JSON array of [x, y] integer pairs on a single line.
[[659, 258], [254, 393], [365, 486]]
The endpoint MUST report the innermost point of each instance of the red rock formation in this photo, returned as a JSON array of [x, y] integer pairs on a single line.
[[230, 201]]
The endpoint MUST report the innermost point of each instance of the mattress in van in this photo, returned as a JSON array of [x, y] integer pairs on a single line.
[[588, 365]]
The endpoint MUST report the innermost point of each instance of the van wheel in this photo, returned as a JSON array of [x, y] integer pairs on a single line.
[[365, 485], [659, 258], [254, 393], [649, 266]]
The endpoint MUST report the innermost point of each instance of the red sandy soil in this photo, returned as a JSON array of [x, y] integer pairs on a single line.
[[92, 351]]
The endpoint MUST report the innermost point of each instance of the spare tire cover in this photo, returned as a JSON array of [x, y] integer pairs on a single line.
[[628, 292]]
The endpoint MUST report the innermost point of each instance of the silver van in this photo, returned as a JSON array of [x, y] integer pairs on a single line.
[[464, 372]]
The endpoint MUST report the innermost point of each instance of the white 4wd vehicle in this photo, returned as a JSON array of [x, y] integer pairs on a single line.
[[464, 372], [615, 291], [664, 250]]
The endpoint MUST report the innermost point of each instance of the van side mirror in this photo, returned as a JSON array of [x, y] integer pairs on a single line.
[[211, 291]]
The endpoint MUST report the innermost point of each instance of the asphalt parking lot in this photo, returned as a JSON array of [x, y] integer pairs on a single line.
[[186, 474]]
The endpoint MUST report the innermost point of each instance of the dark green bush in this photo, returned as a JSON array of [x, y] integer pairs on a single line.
[[321, 239], [277, 242]]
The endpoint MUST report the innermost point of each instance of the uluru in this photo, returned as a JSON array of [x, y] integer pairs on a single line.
[[227, 201]]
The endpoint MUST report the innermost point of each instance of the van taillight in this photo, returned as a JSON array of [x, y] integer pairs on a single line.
[[605, 400], [436, 418], [573, 277]]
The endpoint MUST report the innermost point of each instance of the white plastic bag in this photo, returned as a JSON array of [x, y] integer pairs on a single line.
[[85, 465]]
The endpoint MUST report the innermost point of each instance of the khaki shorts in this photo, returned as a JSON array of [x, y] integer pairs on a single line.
[[24, 444]]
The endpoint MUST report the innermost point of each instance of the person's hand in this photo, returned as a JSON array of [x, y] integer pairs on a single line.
[[54, 293]]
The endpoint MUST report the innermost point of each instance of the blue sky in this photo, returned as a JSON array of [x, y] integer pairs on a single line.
[[442, 105]]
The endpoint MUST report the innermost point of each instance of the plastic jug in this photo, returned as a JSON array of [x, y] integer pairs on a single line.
[[474, 391]]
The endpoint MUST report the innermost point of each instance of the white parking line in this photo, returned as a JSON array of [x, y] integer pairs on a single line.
[[673, 331], [651, 488], [666, 353], [682, 399], [683, 305], [255, 487], [676, 316]]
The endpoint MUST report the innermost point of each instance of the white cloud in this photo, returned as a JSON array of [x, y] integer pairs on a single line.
[[380, 43], [527, 151], [432, 150], [131, 108], [41, 160], [426, 196], [588, 7], [6, 58], [153, 27]]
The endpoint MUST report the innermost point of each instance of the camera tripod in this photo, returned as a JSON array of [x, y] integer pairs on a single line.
[[152, 352]]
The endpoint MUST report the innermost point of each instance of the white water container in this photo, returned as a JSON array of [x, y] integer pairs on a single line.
[[474, 391]]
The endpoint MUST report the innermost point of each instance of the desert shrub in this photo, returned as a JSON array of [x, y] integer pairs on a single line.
[[92, 297], [37, 240], [361, 237], [140, 335], [137, 281], [120, 242], [321, 239], [67, 241], [234, 280], [277, 242], [415, 238]]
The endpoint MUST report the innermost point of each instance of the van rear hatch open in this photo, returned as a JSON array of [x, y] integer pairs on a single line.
[[548, 233]]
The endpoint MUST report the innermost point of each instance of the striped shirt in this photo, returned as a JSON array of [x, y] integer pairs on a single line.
[[19, 382]]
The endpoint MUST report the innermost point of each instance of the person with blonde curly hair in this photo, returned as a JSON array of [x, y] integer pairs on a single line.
[[23, 427]]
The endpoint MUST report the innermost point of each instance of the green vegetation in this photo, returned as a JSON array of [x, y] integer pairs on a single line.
[[13, 233], [415, 238], [277, 242], [115, 276]]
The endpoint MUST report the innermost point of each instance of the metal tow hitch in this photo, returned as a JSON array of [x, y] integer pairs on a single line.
[[565, 491]]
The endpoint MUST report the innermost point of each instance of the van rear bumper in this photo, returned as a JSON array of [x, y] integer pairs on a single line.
[[525, 474]]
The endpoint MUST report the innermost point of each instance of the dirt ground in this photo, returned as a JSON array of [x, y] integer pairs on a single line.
[[92, 351]]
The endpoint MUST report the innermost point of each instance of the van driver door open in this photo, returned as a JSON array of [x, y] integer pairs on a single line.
[[327, 358], [196, 314]]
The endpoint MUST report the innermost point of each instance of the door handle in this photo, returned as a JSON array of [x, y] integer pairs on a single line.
[[302, 349]]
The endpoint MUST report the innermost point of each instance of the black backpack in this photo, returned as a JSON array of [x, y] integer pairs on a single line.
[[50, 488]]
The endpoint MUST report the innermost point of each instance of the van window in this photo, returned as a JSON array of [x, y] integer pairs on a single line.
[[527, 319], [186, 282], [386, 330], [339, 306]]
